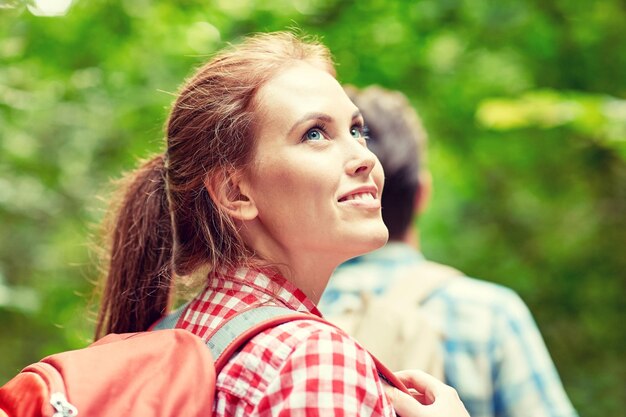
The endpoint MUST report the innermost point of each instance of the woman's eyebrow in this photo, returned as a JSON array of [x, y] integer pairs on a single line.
[[311, 116], [319, 116], [356, 115]]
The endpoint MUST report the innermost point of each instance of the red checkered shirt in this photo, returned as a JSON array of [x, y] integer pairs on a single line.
[[300, 368]]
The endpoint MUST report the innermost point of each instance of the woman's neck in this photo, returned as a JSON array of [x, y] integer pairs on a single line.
[[308, 271], [310, 274]]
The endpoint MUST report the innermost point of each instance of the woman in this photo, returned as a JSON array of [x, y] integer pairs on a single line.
[[267, 183]]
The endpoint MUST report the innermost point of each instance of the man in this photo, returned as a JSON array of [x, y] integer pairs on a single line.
[[493, 353]]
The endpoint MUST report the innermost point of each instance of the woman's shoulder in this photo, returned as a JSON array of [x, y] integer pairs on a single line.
[[297, 354], [310, 336]]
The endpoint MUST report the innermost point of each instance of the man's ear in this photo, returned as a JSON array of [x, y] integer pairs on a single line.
[[422, 197], [226, 191]]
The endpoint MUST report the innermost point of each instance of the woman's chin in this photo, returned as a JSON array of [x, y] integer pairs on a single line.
[[379, 240], [372, 240]]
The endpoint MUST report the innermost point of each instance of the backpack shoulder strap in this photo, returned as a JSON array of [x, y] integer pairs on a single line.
[[242, 327], [235, 332], [169, 321], [392, 325], [420, 282]]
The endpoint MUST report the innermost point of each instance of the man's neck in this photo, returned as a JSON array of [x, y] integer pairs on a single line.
[[412, 238]]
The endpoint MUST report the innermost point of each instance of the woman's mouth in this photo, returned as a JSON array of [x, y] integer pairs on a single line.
[[365, 196]]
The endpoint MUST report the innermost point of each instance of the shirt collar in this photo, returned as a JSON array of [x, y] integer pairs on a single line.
[[374, 271], [392, 251], [270, 283]]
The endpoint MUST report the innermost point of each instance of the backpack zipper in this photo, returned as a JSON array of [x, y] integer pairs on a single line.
[[62, 407], [58, 400]]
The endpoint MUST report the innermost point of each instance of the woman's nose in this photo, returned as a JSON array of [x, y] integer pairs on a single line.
[[362, 161]]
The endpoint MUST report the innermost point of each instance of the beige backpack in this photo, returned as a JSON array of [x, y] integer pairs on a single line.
[[393, 328]]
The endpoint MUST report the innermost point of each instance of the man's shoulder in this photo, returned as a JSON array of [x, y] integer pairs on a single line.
[[462, 283], [482, 288], [469, 293]]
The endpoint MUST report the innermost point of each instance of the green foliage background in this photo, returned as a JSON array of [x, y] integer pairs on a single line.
[[525, 102]]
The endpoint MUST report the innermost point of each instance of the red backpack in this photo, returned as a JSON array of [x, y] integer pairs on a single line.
[[164, 373]]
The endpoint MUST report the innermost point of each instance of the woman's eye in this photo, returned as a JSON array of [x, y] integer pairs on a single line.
[[359, 132], [356, 132], [314, 134]]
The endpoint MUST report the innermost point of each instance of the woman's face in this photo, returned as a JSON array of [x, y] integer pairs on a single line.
[[316, 186]]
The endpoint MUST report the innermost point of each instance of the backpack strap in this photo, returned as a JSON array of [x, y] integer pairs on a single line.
[[170, 320], [419, 282], [392, 326], [236, 331]]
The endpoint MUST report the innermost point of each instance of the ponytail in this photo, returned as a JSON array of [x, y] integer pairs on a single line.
[[139, 272]]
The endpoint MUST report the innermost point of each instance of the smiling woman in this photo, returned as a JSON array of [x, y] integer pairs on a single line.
[[267, 183], [317, 217]]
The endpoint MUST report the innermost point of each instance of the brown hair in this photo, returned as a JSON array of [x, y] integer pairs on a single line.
[[166, 223], [397, 137]]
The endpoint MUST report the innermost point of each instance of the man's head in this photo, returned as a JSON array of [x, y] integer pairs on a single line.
[[398, 139]]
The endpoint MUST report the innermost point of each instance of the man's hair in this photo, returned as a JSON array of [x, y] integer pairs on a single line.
[[398, 138]]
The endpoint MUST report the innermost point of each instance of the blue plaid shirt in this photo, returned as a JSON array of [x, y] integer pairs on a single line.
[[494, 354]]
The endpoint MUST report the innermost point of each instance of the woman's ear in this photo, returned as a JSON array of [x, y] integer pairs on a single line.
[[225, 189]]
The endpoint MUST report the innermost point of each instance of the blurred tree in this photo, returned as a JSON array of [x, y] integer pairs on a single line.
[[524, 101]]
